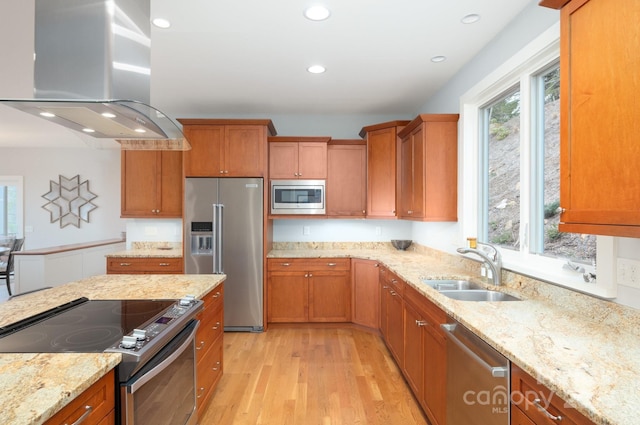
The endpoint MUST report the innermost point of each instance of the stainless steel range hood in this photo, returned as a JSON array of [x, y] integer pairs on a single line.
[[89, 56]]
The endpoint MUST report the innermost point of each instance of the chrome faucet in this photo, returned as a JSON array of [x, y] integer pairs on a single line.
[[491, 257]]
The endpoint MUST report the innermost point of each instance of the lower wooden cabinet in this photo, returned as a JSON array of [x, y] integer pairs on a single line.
[[392, 310], [308, 290], [97, 402], [209, 347], [365, 290], [146, 265], [534, 404]]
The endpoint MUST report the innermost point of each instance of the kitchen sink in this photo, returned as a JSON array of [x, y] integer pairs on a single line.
[[465, 290], [478, 295], [451, 284]]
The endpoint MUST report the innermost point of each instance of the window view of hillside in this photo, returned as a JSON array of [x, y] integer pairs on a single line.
[[504, 178]]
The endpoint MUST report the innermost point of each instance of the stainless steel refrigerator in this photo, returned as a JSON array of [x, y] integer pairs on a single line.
[[223, 235]]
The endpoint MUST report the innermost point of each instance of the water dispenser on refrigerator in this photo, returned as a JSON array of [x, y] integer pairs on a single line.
[[201, 238]]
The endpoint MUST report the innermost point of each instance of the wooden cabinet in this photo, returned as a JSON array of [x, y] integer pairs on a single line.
[[308, 290], [298, 157], [538, 404], [365, 305], [209, 347], [226, 148], [599, 117], [425, 354], [97, 402], [346, 178], [151, 184], [391, 317], [382, 168], [428, 189], [146, 265]]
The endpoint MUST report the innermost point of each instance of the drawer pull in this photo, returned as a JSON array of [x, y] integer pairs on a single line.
[[421, 323], [332, 264], [125, 264], [217, 366], [88, 410], [199, 347], [549, 415], [394, 281], [215, 328], [393, 293], [285, 264], [217, 294], [164, 264], [200, 392]]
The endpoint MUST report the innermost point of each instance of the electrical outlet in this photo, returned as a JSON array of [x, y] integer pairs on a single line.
[[378, 230], [628, 272]]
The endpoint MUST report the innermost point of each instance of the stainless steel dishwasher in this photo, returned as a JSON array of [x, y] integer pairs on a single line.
[[477, 379]]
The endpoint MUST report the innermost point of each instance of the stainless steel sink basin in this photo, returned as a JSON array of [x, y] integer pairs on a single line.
[[479, 295], [451, 284]]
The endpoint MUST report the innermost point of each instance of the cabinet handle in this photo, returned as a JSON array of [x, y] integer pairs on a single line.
[[221, 171], [88, 410], [394, 281], [376, 265], [285, 264], [200, 391], [393, 293], [125, 264], [549, 415], [217, 366], [217, 294], [226, 171], [332, 264], [199, 347], [421, 323], [409, 212], [164, 264], [215, 328]]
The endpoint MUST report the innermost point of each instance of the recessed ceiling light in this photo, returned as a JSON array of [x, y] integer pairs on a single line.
[[317, 13], [88, 130], [161, 23], [140, 130], [437, 59], [108, 115], [470, 19], [47, 114], [316, 69]]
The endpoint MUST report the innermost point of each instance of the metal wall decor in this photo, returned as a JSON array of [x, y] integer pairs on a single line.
[[69, 201]]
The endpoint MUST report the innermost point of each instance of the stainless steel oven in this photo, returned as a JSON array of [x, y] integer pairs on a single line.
[[298, 197], [156, 380]]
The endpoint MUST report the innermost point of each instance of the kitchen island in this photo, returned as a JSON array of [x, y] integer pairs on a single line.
[[35, 386], [585, 350]]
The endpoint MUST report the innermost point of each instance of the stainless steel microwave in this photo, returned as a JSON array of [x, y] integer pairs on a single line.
[[298, 197]]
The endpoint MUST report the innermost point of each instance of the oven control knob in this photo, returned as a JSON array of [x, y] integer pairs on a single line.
[[140, 334], [128, 342], [187, 300]]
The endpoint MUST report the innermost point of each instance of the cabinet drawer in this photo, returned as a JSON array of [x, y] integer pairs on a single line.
[[306, 264], [100, 396], [159, 265], [390, 279], [208, 332], [525, 390], [208, 373]]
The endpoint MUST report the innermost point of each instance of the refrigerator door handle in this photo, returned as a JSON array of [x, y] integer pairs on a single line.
[[218, 210]]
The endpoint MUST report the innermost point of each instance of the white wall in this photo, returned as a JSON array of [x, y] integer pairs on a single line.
[[349, 230], [41, 165]]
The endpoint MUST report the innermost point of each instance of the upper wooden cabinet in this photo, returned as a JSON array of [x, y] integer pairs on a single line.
[[428, 185], [346, 178], [382, 168], [298, 157], [599, 117], [226, 148], [151, 184]]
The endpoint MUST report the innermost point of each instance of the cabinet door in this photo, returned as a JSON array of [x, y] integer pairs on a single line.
[[385, 298], [365, 307], [600, 123], [346, 180], [170, 187], [435, 372], [418, 167], [519, 418], [395, 338], [283, 160], [413, 353], [288, 295], [140, 173], [405, 187], [381, 173], [439, 171], [312, 160], [244, 153], [204, 158], [329, 296]]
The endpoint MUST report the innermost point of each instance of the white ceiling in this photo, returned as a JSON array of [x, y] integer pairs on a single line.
[[249, 57]]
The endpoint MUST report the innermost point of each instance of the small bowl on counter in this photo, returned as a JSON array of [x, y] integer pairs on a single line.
[[401, 244]]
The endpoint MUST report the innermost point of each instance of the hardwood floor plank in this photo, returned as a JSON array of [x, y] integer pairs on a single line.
[[310, 375]]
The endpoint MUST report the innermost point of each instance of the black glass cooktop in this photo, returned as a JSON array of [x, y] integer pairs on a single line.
[[82, 326]]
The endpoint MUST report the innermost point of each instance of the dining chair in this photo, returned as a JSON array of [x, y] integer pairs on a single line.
[[6, 268]]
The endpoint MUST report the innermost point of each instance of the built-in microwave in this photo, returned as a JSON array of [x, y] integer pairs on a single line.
[[298, 197]]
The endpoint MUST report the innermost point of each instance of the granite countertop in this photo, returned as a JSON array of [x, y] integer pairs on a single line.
[[34, 387], [584, 349], [150, 250]]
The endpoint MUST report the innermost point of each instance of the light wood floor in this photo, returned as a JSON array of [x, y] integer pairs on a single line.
[[310, 376]]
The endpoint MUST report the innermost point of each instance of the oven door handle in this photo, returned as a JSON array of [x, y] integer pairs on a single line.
[[496, 371], [149, 375]]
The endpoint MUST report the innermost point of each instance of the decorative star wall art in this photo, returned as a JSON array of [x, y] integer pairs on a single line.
[[69, 201]]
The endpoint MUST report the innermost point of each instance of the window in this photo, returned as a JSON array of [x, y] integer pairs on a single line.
[[510, 184], [11, 205]]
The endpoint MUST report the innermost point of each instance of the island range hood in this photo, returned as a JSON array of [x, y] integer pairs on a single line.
[[92, 73]]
